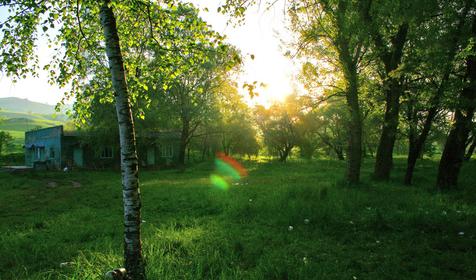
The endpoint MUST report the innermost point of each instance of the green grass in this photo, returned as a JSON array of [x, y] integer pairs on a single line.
[[194, 231]]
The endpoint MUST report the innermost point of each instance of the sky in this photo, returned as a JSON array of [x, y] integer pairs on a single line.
[[260, 35]]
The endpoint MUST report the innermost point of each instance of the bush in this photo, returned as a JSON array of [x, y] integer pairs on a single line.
[[12, 159]]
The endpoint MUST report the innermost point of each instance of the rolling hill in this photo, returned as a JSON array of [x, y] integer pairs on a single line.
[[14, 104], [19, 115]]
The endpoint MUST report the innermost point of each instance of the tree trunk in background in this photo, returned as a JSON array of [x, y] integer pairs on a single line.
[[339, 153], [453, 153], [283, 155], [134, 262], [204, 147], [393, 89], [416, 146], [412, 133], [183, 141], [384, 157], [471, 149], [348, 61], [354, 149]]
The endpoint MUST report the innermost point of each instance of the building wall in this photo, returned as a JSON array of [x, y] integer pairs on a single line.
[[59, 150], [168, 150], [98, 158], [44, 145]]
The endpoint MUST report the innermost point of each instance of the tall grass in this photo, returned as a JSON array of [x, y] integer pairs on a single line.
[[284, 221]]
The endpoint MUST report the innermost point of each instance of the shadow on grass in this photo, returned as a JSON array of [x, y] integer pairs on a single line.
[[290, 221]]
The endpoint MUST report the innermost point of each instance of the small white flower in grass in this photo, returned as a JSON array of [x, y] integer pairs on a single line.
[[461, 233], [65, 264], [354, 277], [143, 221], [305, 260], [351, 222], [290, 228], [306, 221], [250, 200], [378, 241]]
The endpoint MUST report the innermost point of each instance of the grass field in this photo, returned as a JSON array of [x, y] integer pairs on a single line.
[[194, 231]]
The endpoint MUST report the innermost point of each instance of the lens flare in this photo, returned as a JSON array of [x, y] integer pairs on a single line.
[[233, 163], [227, 170], [219, 182]]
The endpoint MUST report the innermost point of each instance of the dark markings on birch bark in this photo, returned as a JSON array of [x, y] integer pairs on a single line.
[[133, 259]]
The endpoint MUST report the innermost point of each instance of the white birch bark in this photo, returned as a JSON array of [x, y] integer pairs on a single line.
[[133, 259]]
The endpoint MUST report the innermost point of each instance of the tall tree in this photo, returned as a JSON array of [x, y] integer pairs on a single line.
[[134, 262], [328, 31], [234, 124], [278, 126], [80, 55], [389, 49], [439, 44], [453, 152]]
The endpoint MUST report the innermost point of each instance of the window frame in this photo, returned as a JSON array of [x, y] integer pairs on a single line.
[[105, 152]]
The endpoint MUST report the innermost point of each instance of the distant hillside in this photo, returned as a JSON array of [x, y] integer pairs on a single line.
[[19, 115], [5, 115], [13, 104]]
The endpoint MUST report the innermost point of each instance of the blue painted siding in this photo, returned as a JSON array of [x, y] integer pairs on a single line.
[[44, 145]]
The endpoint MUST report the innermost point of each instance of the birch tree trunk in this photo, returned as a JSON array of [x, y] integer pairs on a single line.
[[134, 263]]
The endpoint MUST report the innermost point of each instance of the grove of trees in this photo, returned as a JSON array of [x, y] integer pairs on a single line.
[[381, 78]]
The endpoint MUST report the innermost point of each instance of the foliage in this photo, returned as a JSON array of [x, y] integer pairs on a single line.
[[235, 125], [278, 125], [5, 141]]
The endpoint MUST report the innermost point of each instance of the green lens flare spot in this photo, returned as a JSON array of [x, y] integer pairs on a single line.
[[219, 182]]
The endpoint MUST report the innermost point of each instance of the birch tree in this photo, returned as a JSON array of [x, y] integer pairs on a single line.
[[81, 50]]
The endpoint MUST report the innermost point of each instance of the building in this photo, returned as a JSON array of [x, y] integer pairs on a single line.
[[55, 148]]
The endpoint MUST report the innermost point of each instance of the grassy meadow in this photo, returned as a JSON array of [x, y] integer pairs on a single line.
[[192, 230]]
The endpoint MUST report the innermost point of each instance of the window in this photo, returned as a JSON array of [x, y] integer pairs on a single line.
[[167, 150], [40, 153], [106, 152], [52, 153]]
